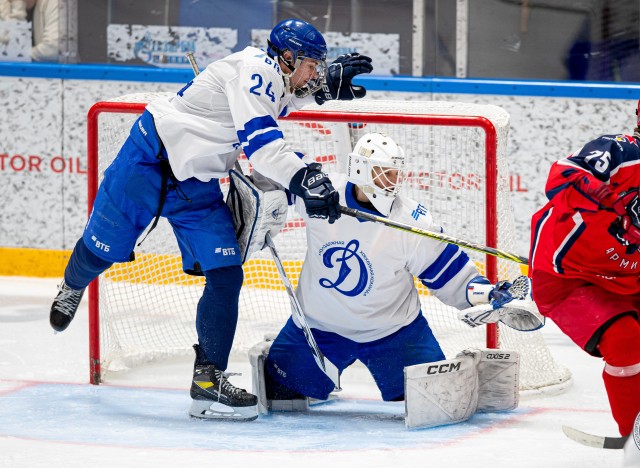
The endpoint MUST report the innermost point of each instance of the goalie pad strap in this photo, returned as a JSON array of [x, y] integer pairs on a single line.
[[254, 213]]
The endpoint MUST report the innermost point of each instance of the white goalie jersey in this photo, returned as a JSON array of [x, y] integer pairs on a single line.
[[358, 276]]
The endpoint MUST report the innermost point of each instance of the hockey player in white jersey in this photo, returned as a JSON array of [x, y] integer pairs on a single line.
[[357, 289], [171, 164]]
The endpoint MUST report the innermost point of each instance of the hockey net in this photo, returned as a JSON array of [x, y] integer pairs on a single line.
[[457, 169]]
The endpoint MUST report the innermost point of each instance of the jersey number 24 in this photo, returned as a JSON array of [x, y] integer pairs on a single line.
[[256, 89]]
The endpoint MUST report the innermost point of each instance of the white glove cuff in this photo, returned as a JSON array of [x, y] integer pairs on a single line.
[[478, 292]]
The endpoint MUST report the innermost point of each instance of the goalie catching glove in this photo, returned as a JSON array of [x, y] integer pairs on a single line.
[[337, 84], [509, 303]]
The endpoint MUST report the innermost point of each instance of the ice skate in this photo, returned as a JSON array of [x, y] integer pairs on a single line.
[[64, 306], [214, 397]]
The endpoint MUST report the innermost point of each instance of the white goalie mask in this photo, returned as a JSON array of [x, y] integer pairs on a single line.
[[377, 166]]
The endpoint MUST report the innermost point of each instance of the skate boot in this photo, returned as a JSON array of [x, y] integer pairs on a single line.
[[214, 397], [64, 306]]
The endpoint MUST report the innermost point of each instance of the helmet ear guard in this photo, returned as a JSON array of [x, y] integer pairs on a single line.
[[372, 158]]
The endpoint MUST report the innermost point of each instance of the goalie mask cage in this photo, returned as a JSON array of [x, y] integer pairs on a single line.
[[456, 161]]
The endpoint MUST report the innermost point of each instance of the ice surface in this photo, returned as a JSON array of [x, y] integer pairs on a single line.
[[51, 417]]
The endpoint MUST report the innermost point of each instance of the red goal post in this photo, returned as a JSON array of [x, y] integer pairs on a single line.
[[425, 130]]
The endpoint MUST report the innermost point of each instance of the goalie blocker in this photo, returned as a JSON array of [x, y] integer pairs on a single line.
[[451, 391], [255, 212]]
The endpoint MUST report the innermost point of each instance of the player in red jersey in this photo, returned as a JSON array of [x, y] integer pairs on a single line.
[[585, 260]]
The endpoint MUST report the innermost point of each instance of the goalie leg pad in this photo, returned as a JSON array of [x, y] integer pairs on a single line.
[[442, 392], [257, 357], [498, 378], [255, 213]]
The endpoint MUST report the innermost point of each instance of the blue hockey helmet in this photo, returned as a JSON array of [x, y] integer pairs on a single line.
[[298, 36], [303, 41]]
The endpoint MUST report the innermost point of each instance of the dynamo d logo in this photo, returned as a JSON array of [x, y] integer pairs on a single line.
[[351, 267]]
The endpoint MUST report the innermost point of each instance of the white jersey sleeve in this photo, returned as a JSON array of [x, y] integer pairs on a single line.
[[232, 105], [445, 269]]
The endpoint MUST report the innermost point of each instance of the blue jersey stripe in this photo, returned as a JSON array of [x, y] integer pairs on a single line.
[[257, 123], [446, 266], [451, 270], [556, 190], [261, 140], [442, 260]]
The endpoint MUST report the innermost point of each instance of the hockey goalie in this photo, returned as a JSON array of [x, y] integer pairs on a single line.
[[357, 293]]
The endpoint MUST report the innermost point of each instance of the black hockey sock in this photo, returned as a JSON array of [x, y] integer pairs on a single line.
[[217, 315]]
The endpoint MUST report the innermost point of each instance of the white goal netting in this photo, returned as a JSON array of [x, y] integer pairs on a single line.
[[147, 307]]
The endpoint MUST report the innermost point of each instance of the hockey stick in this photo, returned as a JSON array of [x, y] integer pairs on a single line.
[[435, 235], [595, 441], [194, 65], [324, 364]]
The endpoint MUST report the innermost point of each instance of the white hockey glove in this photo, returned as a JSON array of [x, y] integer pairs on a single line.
[[509, 303]]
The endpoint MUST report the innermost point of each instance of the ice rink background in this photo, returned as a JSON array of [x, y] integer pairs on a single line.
[[51, 417]]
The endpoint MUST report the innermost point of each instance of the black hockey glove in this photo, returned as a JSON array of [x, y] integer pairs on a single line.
[[626, 228], [320, 198], [337, 83]]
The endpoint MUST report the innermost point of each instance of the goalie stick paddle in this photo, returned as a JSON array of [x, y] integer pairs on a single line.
[[435, 235], [324, 364], [595, 441]]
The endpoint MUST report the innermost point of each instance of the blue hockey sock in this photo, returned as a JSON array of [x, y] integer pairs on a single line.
[[84, 266], [218, 314]]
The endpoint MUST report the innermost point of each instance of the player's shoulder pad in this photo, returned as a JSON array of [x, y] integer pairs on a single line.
[[408, 211]]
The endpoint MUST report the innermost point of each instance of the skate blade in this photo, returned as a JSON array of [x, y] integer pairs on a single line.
[[207, 409]]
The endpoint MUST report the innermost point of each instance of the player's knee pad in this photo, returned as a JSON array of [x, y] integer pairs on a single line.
[[619, 347]]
